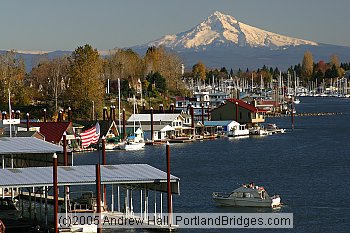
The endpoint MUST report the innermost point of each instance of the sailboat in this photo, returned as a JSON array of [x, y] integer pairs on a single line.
[[136, 141]]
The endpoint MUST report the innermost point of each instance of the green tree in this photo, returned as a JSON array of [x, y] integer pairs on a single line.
[[156, 83], [307, 65], [86, 86]]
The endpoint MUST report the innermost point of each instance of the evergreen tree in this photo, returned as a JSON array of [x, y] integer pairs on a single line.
[[231, 72], [223, 70]]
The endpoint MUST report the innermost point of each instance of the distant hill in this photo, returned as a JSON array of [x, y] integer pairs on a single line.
[[31, 58]]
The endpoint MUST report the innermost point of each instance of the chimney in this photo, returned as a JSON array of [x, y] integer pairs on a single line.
[[161, 108], [70, 114], [18, 112], [110, 112], [172, 108], [27, 121], [59, 116], [4, 117], [113, 113], [45, 115]]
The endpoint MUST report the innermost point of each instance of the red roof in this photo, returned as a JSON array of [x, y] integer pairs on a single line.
[[53, 131], [245, 105], [268, 102]]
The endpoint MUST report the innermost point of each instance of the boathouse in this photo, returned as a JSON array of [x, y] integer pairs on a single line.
[[238, 110]]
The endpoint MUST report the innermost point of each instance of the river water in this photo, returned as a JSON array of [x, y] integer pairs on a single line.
[[309, 167]]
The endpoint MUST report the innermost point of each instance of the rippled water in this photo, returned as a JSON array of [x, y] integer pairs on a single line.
[[309, 167]]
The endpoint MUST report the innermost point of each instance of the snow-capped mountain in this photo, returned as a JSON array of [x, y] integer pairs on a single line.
[[221, 40], [224, 30]]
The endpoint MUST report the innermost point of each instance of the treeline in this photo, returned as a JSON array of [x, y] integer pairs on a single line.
[[307, 71], [79, 81]]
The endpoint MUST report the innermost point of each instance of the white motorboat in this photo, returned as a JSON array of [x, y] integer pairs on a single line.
[[130, 145], [296, 101], [111, 146], [257, 130], [247, 196], [273, 128], [135, 142]]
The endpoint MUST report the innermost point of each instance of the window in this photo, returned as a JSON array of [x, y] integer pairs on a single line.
[[179, 104], [240, 115], [249, 115]]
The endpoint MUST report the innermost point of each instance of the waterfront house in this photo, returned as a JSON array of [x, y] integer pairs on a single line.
[[108, 128], [200, 99], [175, 121], [238, 110], [270, 106]]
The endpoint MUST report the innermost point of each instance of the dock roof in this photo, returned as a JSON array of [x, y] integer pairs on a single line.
[[27, 145], [136, 175]]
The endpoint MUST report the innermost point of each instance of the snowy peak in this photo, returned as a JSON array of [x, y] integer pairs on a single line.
[[220, 30]]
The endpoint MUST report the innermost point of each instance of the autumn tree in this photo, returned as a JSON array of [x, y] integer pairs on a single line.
[[12, 72], [307, 65], [167, 64], [125, 65], [336, 63], [86, 86], [199, 71], [51, 79]]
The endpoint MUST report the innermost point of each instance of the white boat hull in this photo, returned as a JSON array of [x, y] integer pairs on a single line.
[[247, 202], [131, 146], [238, 133], [111, 146]]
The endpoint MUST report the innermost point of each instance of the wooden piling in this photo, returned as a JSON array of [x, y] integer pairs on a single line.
[[168, 182], [55, 192]]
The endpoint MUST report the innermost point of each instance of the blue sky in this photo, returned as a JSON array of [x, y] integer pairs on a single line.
[[105, 24]]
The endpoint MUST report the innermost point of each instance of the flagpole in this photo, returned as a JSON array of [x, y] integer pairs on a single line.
[[10, 112]]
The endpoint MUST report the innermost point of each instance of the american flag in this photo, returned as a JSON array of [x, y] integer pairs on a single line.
[[90, 136]]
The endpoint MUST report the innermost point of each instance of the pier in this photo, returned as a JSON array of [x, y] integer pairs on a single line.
[[306, 114]]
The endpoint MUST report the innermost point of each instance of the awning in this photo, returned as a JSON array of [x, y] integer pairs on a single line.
[[133, 175]]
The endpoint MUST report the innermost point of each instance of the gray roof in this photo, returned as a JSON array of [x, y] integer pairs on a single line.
[[155, 127], [139, 175], [30, 145], [169, 117], [22, 134], [217, 123]]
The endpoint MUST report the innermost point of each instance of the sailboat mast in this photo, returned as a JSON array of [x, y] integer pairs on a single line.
[[119, 122], [134, 113]]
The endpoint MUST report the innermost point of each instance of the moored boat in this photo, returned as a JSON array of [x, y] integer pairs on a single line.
[[247, 196], [273, 128]]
